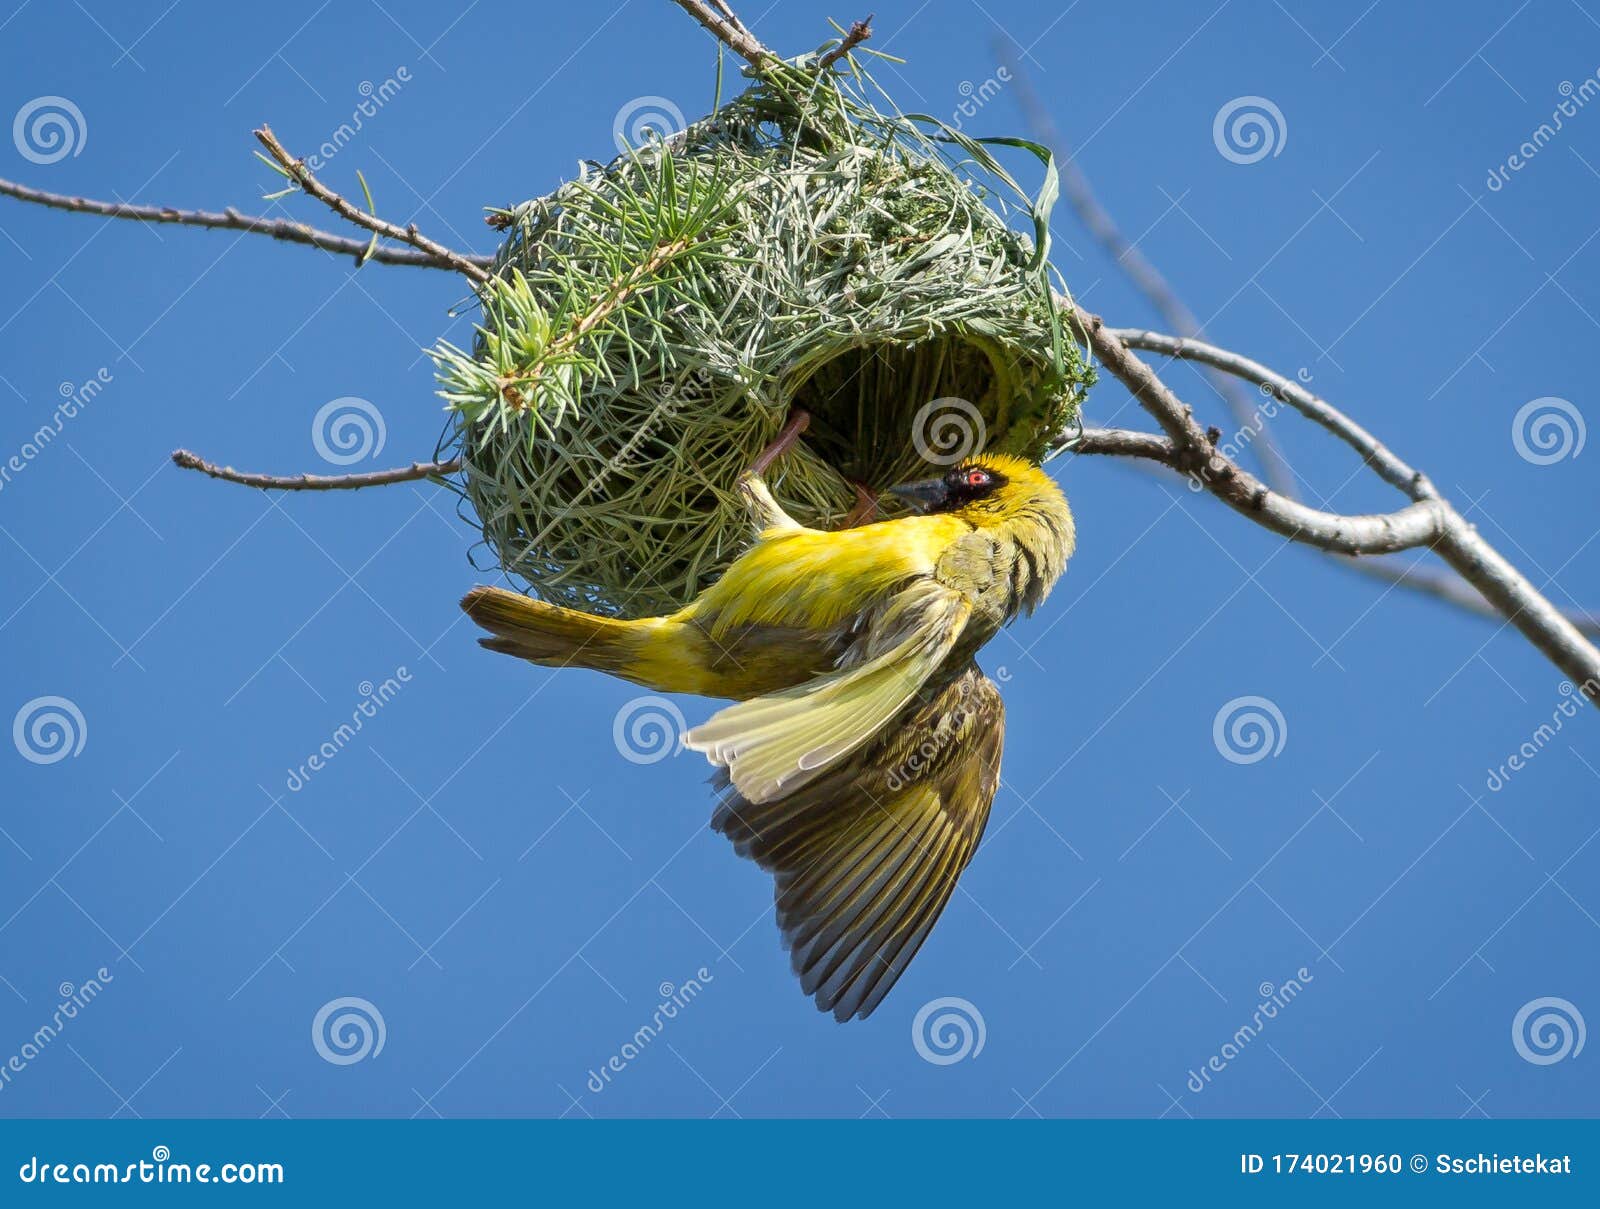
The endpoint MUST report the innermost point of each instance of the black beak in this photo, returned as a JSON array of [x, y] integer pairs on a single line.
[[924, 495]]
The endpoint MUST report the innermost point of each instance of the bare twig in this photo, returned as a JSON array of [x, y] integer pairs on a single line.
[[729, 30], [1120, 443], [1149, 446], [1384, 462], [317, 482], [860, 31], [1377, 455], [351, 213], [1196, 453], [1429, 520], [232, 220], [1080, 195]]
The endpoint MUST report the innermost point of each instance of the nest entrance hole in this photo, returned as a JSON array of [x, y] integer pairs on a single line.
[[878, 409]]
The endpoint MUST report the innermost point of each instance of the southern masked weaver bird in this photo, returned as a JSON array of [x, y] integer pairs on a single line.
[[861, 757]]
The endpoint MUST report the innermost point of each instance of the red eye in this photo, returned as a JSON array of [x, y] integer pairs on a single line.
[[977, 478]]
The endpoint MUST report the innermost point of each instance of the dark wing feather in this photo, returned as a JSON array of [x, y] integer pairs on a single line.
[[866, 855]]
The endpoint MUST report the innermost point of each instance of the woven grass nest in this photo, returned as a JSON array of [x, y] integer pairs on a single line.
[[651, 323]]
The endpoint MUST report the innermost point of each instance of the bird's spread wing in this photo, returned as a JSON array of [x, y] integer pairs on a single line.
[[866, 855], [773, 745]]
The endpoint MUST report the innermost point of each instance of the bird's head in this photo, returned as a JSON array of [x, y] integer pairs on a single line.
[[988, 489], [1018, 505]]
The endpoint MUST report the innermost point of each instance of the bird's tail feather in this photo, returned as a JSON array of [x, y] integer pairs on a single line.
[[551, 635]]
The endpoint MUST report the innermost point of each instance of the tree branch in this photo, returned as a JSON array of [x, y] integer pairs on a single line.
[[1149, 446], [297, 171], [859, 32], [1373, 451], [1429, 520], [232, 220], [1196, 454], [316, 482], [729, 30]]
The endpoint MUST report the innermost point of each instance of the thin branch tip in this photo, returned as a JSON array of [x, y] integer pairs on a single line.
[[415, 472], [231, 219], [858, 33]]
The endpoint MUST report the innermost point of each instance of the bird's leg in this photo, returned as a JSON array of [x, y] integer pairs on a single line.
[[766, 511], [796, 424], [865, 509]]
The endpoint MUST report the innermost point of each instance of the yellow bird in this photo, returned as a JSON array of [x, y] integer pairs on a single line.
[[860, 761]]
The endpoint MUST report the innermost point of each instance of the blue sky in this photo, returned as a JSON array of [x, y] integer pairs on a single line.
[[513, 897]]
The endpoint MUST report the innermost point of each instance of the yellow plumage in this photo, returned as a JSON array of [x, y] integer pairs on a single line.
[[862, 754]]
